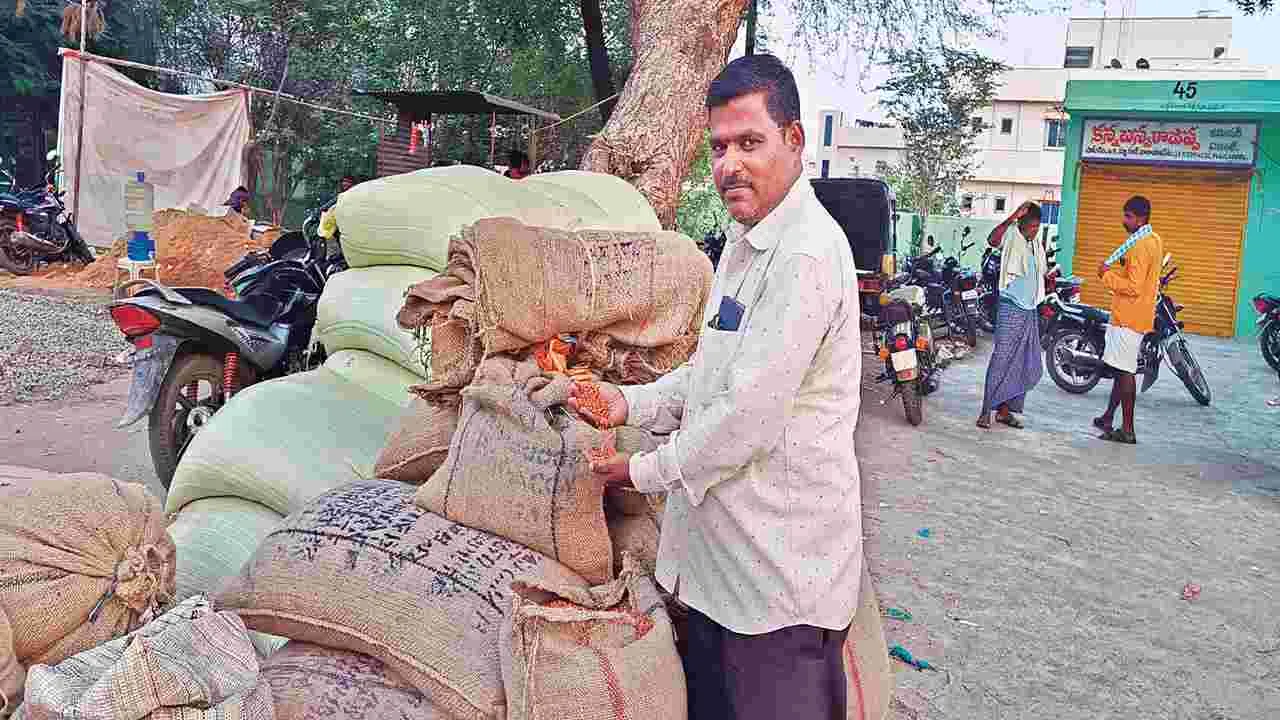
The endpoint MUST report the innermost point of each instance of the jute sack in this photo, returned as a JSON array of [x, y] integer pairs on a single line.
[[309, 681], [362, 568], [866, 658], [509, 285], [419, 446], [190, 663], [518, 468], [12, 674], [605, 653], [82, 558], [634, 535]]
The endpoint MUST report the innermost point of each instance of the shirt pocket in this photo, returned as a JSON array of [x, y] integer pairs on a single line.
[[716, 349]]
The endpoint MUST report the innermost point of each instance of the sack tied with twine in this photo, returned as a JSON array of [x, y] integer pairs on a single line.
[[84, 559]]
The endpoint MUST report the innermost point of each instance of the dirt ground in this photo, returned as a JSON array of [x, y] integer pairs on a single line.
[[1050, 583]]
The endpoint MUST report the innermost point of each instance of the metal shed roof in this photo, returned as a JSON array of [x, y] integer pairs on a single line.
[[464, 102]]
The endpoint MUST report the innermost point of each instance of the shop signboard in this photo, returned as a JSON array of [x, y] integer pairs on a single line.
[[1185, 142]]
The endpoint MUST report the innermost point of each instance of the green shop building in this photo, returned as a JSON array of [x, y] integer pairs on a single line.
[[1207, 155]]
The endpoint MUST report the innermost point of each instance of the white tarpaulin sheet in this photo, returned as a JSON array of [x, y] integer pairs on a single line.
[[190, 146]]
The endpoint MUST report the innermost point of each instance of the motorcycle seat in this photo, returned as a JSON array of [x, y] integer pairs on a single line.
[[1088, 312], [245, 312]]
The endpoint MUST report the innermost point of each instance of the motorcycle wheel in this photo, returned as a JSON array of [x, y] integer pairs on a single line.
[[1077, 382], [15, 260], [1188, 370], [912, 403], [172, 424], [1269, 341], [971, 331], [987, 313]]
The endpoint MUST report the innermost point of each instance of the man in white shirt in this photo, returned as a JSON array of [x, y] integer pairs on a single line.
[[762, 536]]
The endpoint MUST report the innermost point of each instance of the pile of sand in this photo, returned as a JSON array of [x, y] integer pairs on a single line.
[[193, 250]]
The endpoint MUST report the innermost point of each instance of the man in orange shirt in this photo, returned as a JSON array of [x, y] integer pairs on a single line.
[[1135, 283]]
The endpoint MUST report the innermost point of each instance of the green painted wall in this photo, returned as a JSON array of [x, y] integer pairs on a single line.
[[1220, 100]]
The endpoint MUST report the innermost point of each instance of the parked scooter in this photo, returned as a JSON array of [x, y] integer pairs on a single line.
[[1074, 353], [1268, 307], [195, 348], [904, 341], [35, 226]]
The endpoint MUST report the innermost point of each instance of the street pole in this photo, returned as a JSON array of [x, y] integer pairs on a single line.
[[84, 29]]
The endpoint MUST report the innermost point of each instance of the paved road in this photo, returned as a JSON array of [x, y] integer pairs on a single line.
[[1050, 585]]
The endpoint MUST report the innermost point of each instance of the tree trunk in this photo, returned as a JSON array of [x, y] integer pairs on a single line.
[[601, 77], [751, 26], [653, 135]]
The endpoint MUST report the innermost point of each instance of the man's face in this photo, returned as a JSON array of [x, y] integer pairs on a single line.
[[1133, 222], [753, 161], [1029, 228]]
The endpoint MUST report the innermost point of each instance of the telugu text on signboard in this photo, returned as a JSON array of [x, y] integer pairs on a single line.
[[1171, 143]]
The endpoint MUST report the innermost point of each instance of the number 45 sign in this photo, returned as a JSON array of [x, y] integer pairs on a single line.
[[1185, 90]]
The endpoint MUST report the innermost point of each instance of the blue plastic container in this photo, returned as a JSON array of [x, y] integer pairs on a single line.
[[141, 247]]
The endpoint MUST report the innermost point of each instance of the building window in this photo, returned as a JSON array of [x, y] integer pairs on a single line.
[[882, 168], [828, 128], [826, 168], [1055, 133], [1078, 57], [1006, 126], [1000, 202], [966, 202], [1049, 211]]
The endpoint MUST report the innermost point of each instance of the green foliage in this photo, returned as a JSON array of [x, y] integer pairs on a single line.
[[700, 210], [933, 94], [1251, 7], [29, 64]]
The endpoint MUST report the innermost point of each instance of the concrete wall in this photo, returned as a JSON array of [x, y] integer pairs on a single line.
[[1156, 39], [1242, 100]]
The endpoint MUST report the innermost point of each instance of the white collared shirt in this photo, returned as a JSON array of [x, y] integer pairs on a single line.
[[763, 526]]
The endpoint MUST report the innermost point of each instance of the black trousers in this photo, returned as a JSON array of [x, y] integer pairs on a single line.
[[796, 673]]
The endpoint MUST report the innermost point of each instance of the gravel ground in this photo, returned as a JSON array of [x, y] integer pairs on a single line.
[[55, 346]]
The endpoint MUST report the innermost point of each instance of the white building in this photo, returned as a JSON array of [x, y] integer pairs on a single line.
[[1020, 151]]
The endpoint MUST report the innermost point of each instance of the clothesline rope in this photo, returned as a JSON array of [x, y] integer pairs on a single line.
[[90, 57]]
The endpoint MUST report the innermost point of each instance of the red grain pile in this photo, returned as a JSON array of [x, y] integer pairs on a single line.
[[192, 250]]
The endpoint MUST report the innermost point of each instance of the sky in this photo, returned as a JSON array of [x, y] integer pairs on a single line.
[[1026, 40]]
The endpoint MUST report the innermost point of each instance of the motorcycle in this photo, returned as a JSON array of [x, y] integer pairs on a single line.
[[1066, 290], [961, 295], [195, 348], [1268, 307], [36, 227], [904, 341], [1074, 352]]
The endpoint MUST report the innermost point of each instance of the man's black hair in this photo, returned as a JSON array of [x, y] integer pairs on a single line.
[[1033, 213], [1139, 206], [758, 73], [517, 158]]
